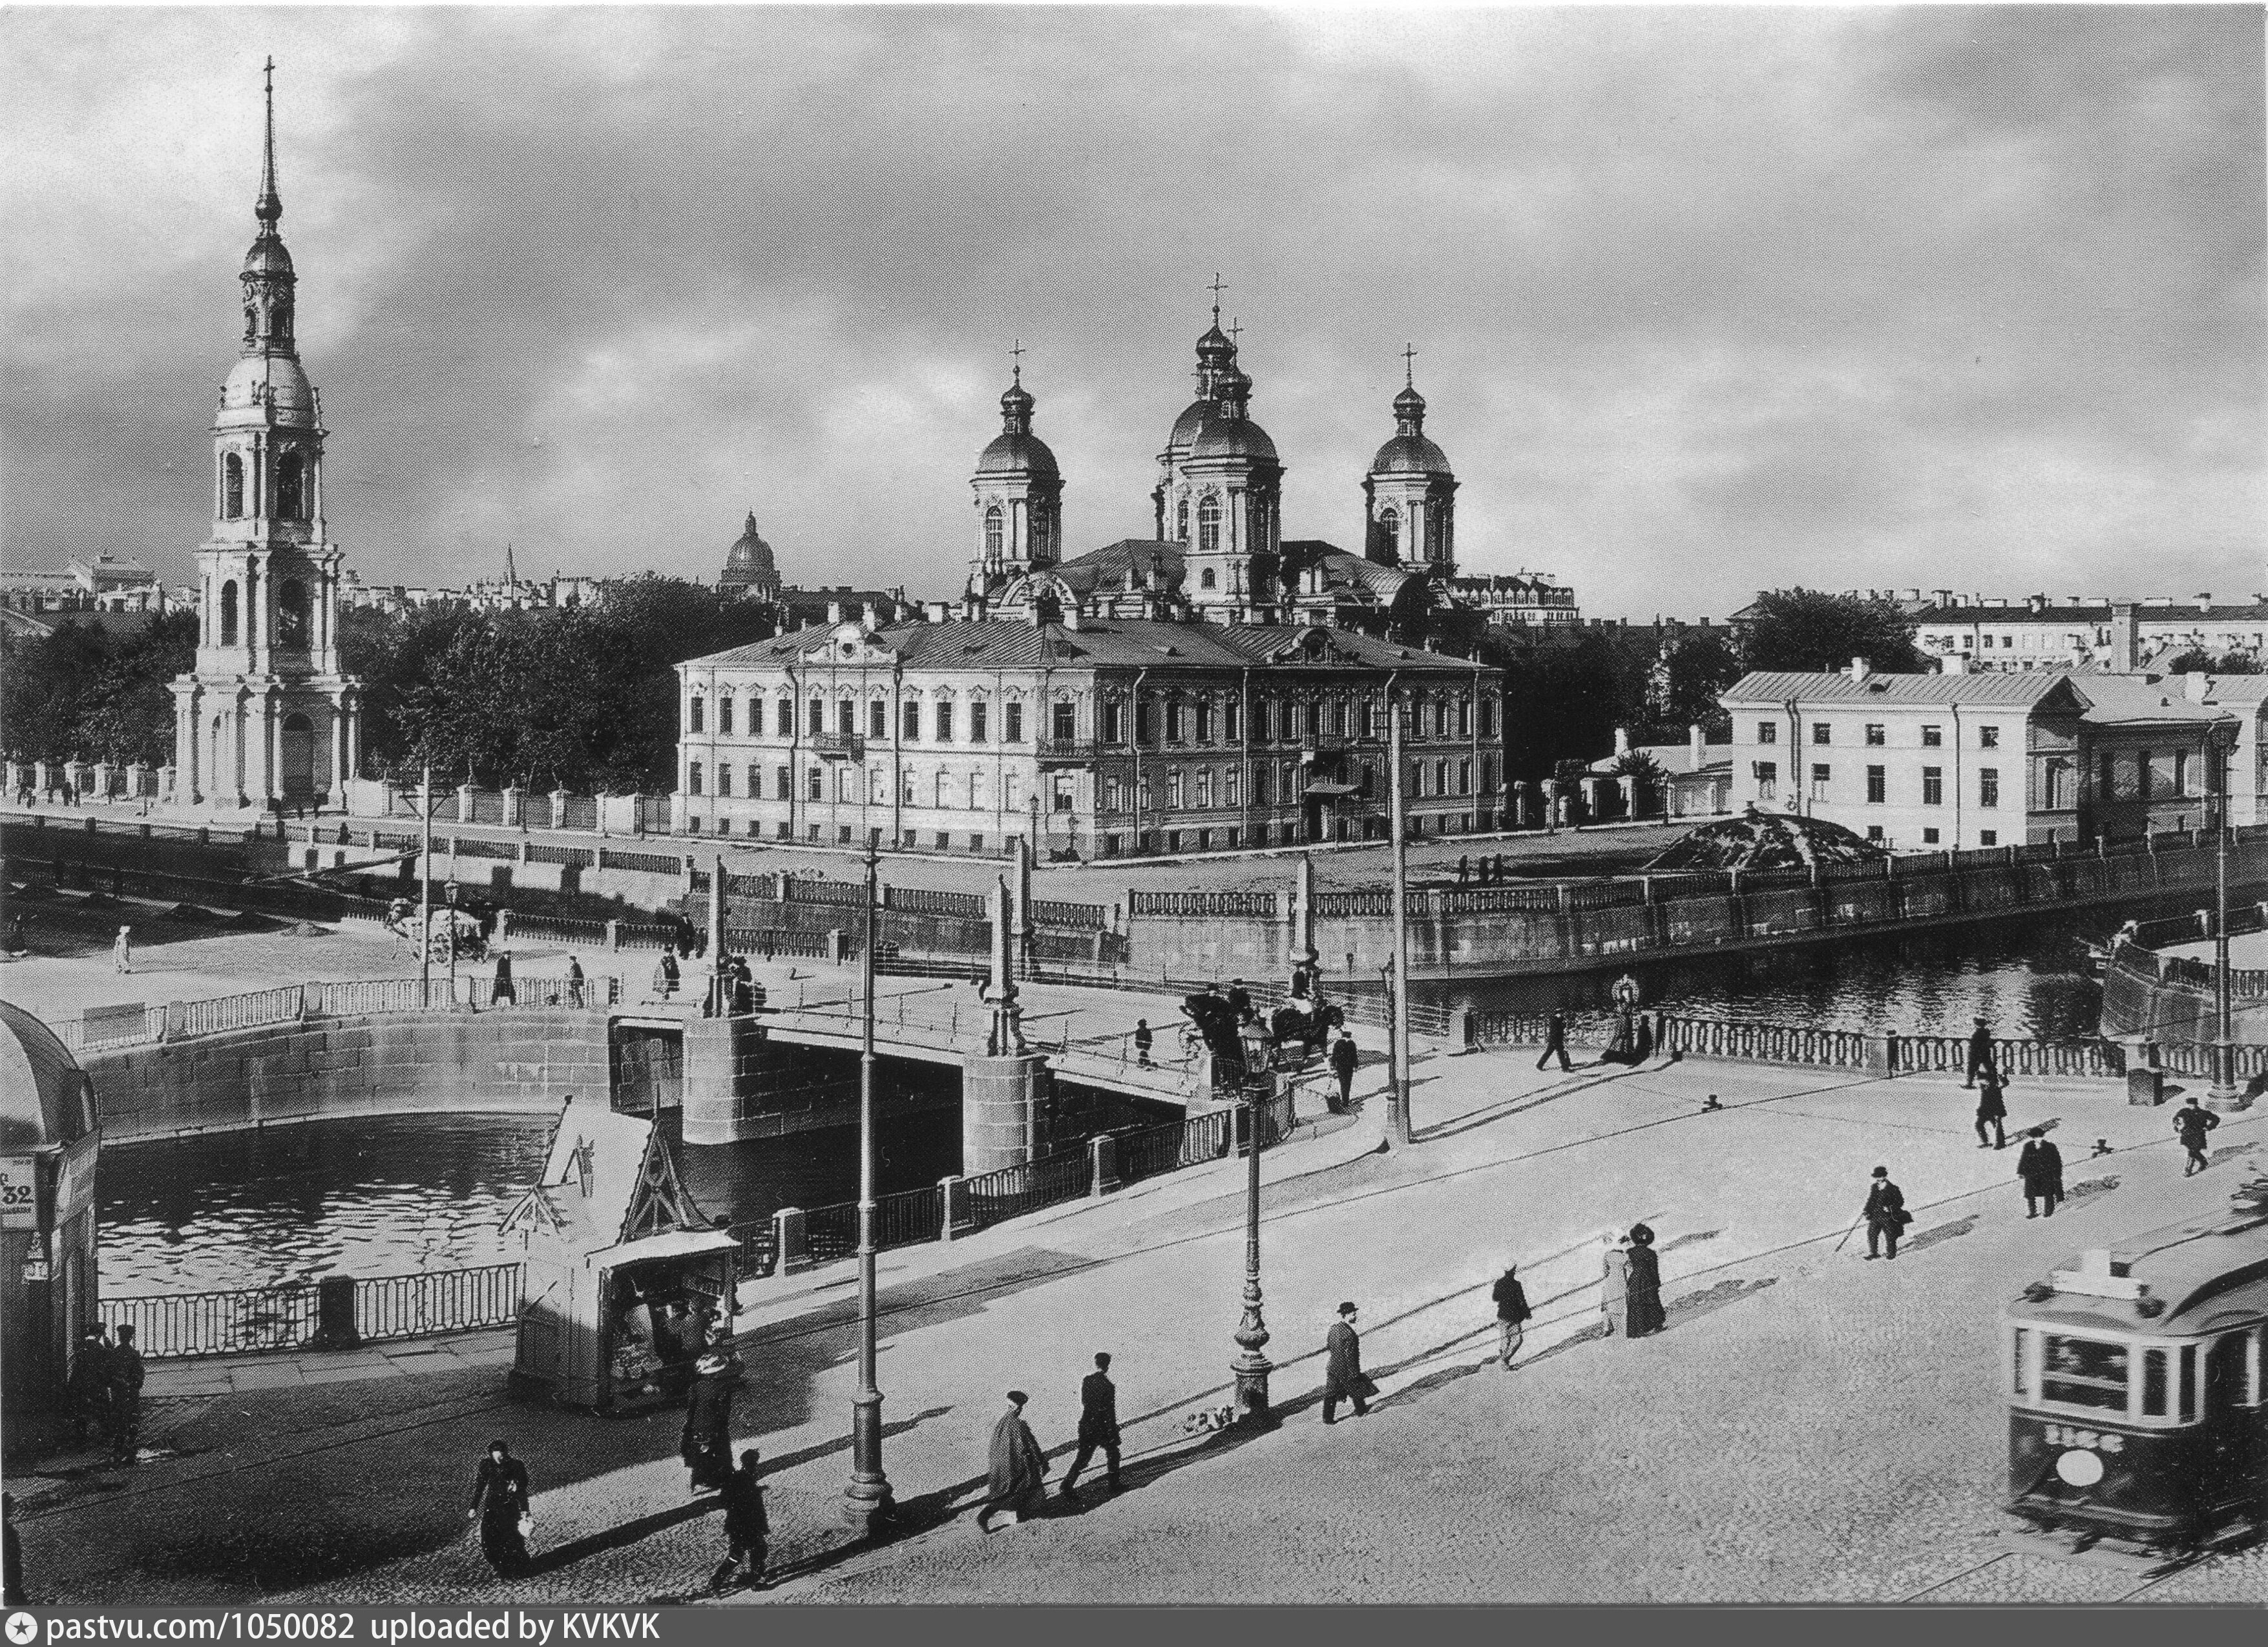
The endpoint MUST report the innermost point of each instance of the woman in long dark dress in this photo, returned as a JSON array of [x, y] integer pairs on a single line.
[[500, 1503], [1644, 1284]]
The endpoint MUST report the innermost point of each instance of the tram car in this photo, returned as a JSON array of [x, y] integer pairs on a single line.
[[2134, 1383]]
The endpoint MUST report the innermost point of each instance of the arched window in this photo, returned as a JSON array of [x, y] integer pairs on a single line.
[[291, 614], [231, 488], [992, 532], [228, 613], [1390, 530], [1208, 525], [1181, 521], [1208, 580], [291, 505]]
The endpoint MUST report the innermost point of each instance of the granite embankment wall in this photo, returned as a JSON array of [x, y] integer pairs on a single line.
[[377, 1065]]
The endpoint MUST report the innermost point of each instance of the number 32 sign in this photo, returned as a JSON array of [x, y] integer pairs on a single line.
[[19, 1196]]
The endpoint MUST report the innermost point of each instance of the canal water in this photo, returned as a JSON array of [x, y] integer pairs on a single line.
[[376, 1197]]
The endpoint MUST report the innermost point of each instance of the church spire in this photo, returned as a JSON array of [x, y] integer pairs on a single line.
[[271, 204]]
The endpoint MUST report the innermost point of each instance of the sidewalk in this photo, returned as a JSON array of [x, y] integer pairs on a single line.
[[1511, 1164]]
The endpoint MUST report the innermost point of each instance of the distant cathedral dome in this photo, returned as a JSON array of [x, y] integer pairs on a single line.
[[749, 565]]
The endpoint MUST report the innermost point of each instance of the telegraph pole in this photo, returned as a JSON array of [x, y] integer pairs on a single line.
[[1397, 1097]]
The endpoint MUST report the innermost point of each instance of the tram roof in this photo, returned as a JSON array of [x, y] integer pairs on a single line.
[[2203, 1269]]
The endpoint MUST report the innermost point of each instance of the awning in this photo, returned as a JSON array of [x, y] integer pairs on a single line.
[[675, 1243], [1331, 789]]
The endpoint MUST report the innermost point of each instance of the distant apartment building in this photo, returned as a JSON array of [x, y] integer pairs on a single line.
[[1961, 760], [108, 583], [2038, 632]]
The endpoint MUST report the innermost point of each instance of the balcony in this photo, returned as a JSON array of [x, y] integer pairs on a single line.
[[840, 747], [1068, 751]]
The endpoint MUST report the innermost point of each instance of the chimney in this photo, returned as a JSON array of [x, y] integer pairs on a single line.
[[1909, 594], [1953, 663], [2196, 687], [940, 611], [835, 612], [1696, 744], [1941, 597], [1861, 669], [867, 621], [2125, 644], [2039, 603], [1621, 740]]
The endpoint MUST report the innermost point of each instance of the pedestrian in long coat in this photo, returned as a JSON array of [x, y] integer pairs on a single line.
[[503, 990], [707, 1443], [1645, 1283], [1512, 1314], [1614, 1282], [1144, 1039], [1886, 1215], [2191, 1122], [574, 981], [669, 974], [126, 1376], [1992, 1111], [1345, 1059], [121, 951], [746, 1528], [500, 1504], [1343, 1378], [87, 1386], [1016, 1485], [1555, 1042], [2041, 1167], [11, 1556], [1098, 1424], [1980, 1052]]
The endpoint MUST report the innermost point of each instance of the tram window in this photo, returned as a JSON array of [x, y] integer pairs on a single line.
[[2084, 1373], [2153, 1384], [2188, 1381], [2016, 1367], [2224, 1374]]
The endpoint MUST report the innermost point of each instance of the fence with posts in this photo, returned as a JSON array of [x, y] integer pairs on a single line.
[[293, 1316]]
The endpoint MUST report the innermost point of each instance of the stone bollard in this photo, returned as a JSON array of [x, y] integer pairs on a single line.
[[1464, 1031], [787, 1236], [1881, 1055], [334, 1313], [2146, 1083], [614, 934], [957, 1219], [838, 945], [1102, 1153]]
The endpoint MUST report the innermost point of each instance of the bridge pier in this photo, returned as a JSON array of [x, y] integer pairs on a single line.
[[1002, 1111], [725, 1058]]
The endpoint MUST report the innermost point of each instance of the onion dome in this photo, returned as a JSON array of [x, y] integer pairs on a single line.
[[1410, 451], [45, 1097], [1016, 450], [1229, 432]]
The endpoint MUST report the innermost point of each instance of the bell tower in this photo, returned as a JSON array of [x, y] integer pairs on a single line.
[[266, 718], [1018, 497], [1409, 495]]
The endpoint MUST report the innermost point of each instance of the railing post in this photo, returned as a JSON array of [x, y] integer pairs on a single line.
[[1103, 1157], [788, 1240], [955, 1219]]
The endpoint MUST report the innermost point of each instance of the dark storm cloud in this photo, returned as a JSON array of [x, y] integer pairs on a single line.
[[1705, 300]]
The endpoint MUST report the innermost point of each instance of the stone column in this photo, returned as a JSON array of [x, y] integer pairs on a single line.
[[465, 806], [105, 774], [1001, 1101], [515, 808]]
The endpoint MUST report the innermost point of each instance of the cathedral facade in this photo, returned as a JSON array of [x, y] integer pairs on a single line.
[[266, 719], [1212, 688]]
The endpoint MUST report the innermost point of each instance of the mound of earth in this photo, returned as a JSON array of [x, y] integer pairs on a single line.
[[1758, 839]]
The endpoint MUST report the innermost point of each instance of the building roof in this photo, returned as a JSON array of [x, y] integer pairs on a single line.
[[2092, 611], [2126, 699], [45, 1097], [1004, 643], [2008, 691]]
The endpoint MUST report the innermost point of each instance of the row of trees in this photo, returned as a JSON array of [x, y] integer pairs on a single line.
[[83, 691]]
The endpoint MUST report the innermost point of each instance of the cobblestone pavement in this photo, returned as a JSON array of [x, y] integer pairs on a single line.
[[1812, 1427]]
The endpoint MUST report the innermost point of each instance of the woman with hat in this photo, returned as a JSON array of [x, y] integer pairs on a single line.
[[707, 1443], [1614, 1282], [1645, 1283]]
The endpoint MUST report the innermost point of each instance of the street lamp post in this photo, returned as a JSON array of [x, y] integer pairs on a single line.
[[1397, 1095], [866, 1500], [2224, 1091], [1251, 1367], [425, 890]]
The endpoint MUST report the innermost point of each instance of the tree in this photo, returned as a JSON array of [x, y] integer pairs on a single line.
[[2197, 661], [1806, 631], [1690, 673], [83, 692]]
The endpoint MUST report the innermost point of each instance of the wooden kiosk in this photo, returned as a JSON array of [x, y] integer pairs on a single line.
[[612, 1241]]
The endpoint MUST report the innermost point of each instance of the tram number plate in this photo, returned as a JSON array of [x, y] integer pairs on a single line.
[[2067, 1436]]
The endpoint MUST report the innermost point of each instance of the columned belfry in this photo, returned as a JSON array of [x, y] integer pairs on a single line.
[[1220, 492], [1409, 495], [266, 718], [1018, 497]]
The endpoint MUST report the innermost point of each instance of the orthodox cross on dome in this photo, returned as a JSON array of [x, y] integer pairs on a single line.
[[271, 205], [1018, 352], [1409, 376], [1219, 286]]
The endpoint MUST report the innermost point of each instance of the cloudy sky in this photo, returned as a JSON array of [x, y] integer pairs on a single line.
[[1705, 300]]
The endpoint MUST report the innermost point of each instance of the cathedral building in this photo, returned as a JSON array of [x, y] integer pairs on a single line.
[[265, 718], [1213, 688]]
